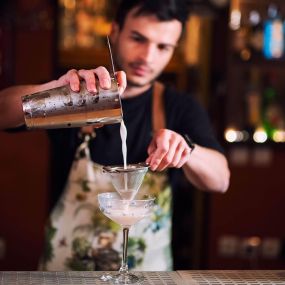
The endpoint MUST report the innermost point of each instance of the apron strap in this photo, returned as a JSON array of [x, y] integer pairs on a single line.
[[158, 110]]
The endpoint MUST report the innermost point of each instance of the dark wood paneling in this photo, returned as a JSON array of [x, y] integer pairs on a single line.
[[23, 197], [253, 206], [27, 38]]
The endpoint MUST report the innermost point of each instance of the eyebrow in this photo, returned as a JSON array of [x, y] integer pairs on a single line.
[[135, 33]]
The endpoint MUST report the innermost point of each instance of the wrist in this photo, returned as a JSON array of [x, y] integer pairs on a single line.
[[190, 142]]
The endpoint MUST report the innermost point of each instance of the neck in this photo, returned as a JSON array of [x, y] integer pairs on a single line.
[[133, 91]]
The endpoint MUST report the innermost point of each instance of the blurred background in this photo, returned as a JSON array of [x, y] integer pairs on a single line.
[[231, 57]]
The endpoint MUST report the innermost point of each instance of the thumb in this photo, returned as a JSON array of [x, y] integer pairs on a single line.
[[122, 81]]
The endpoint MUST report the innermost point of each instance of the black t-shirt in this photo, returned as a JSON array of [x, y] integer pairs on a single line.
[[183, 115]]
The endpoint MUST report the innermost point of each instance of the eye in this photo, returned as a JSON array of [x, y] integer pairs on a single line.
[[163, 47], [138, 38]]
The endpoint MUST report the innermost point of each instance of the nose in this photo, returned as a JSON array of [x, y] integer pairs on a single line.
[[148, 53]]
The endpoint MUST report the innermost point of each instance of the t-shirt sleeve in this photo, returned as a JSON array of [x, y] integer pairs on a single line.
[[193, 120]]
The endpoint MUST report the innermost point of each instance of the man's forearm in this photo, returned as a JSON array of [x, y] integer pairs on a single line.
[[207, 169], [11, 112]]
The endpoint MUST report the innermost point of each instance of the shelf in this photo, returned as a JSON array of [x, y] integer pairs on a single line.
[[252, 144], [258, 61]]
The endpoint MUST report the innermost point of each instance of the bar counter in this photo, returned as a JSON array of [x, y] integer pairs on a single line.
[[191, 277]]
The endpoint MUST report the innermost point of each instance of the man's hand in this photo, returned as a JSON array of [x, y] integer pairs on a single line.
[[73, 77], [167, 149]]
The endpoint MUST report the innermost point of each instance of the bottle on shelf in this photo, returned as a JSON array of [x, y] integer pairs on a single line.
[[273, 40], [240, 33], [240, 39], [255, 38], [272, 114], [248, 38], [253, 102]]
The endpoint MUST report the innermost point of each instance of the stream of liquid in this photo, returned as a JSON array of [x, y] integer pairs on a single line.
[[123, 133]]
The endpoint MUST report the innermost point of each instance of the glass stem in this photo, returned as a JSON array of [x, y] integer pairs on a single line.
[[124, 266]]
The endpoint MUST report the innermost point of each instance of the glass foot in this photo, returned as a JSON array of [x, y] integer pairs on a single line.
[[105, 277], [126, 278]]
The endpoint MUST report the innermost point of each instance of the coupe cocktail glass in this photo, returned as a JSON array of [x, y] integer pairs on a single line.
[[126, 213]]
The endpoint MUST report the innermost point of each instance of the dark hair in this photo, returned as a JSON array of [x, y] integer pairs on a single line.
[[164, 10]]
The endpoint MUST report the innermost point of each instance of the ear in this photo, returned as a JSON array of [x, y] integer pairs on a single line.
[[114, 32]]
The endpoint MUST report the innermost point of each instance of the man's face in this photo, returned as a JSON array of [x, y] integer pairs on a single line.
[[144, 46]]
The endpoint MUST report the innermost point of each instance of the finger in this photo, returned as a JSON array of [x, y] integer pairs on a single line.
[[122, 81], [184, 158], [73, 80], [149, 159], [89, 77], [178, 154], [103, 76], [167, 161], [159, 153]]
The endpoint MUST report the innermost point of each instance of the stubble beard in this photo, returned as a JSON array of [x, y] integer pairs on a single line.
[[130, 82]]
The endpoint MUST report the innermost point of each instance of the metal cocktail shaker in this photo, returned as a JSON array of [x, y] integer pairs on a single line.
[[63, 108]]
